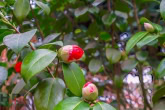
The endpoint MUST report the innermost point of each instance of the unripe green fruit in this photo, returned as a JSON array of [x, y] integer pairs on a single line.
[[149, 27], [90, 92]]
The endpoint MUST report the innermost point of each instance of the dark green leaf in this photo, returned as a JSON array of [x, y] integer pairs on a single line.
[[97, 2], [134, 40], [16, 42], [21, 9], [74, 78], [2, 35], [18, 87], [49, 45], [36, 61], [113, 55], [105, 36], [73, 103], [49, 93]]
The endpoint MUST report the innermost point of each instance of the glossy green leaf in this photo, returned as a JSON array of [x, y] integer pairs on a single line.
[[43, 6], [21, 9], [158, 94], [18, 87], [95, 65], [113, 55], [160, 71], [72, 103], [162, 9], [146, 40], [80, 11], [74, 78], [36, 61], [128, 65], [3, 74], [103, 106], [141, 55], [108, 19], [49, 93], [16, 42], [160, 105], [134, 40], [49, 45]]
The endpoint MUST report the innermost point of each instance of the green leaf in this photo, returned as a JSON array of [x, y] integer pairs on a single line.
[[21, 9], [95, 65], [44, 7], [80, 11], [73, 103], [141, 55], [134, 40], [16, 42], [128, 65], [50, 38], [74, 78], [3, 74], [97, 2], [103, 106], [108, 19], [146, 40], [113, 55], [49, 93], [144, 20], [18, 87], [162, 9], [158, 94], [49, 45], [160, 71], [36, 61]]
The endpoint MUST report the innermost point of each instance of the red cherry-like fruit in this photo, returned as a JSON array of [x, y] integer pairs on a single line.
[[17, 67]]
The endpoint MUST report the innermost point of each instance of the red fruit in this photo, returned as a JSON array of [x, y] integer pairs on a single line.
[[90, 91], [70, 53], [18, 67]]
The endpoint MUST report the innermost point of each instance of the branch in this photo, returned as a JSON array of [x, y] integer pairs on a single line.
[[136, 14]]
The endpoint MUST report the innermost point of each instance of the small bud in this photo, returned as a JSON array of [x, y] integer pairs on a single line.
[[18, 67], [149, 27], [70, 53], [90, 91]]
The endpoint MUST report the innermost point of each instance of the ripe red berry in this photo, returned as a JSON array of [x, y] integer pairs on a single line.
[[18, 67], [70, 53]]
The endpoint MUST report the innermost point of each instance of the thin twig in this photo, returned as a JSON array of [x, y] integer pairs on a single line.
[[37, 22], [136, 15], [109, 5]]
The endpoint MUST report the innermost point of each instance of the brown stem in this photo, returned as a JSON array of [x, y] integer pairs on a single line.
[[136, 14], [118, 98], [37, 23], [146, 103], [109, 5]]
